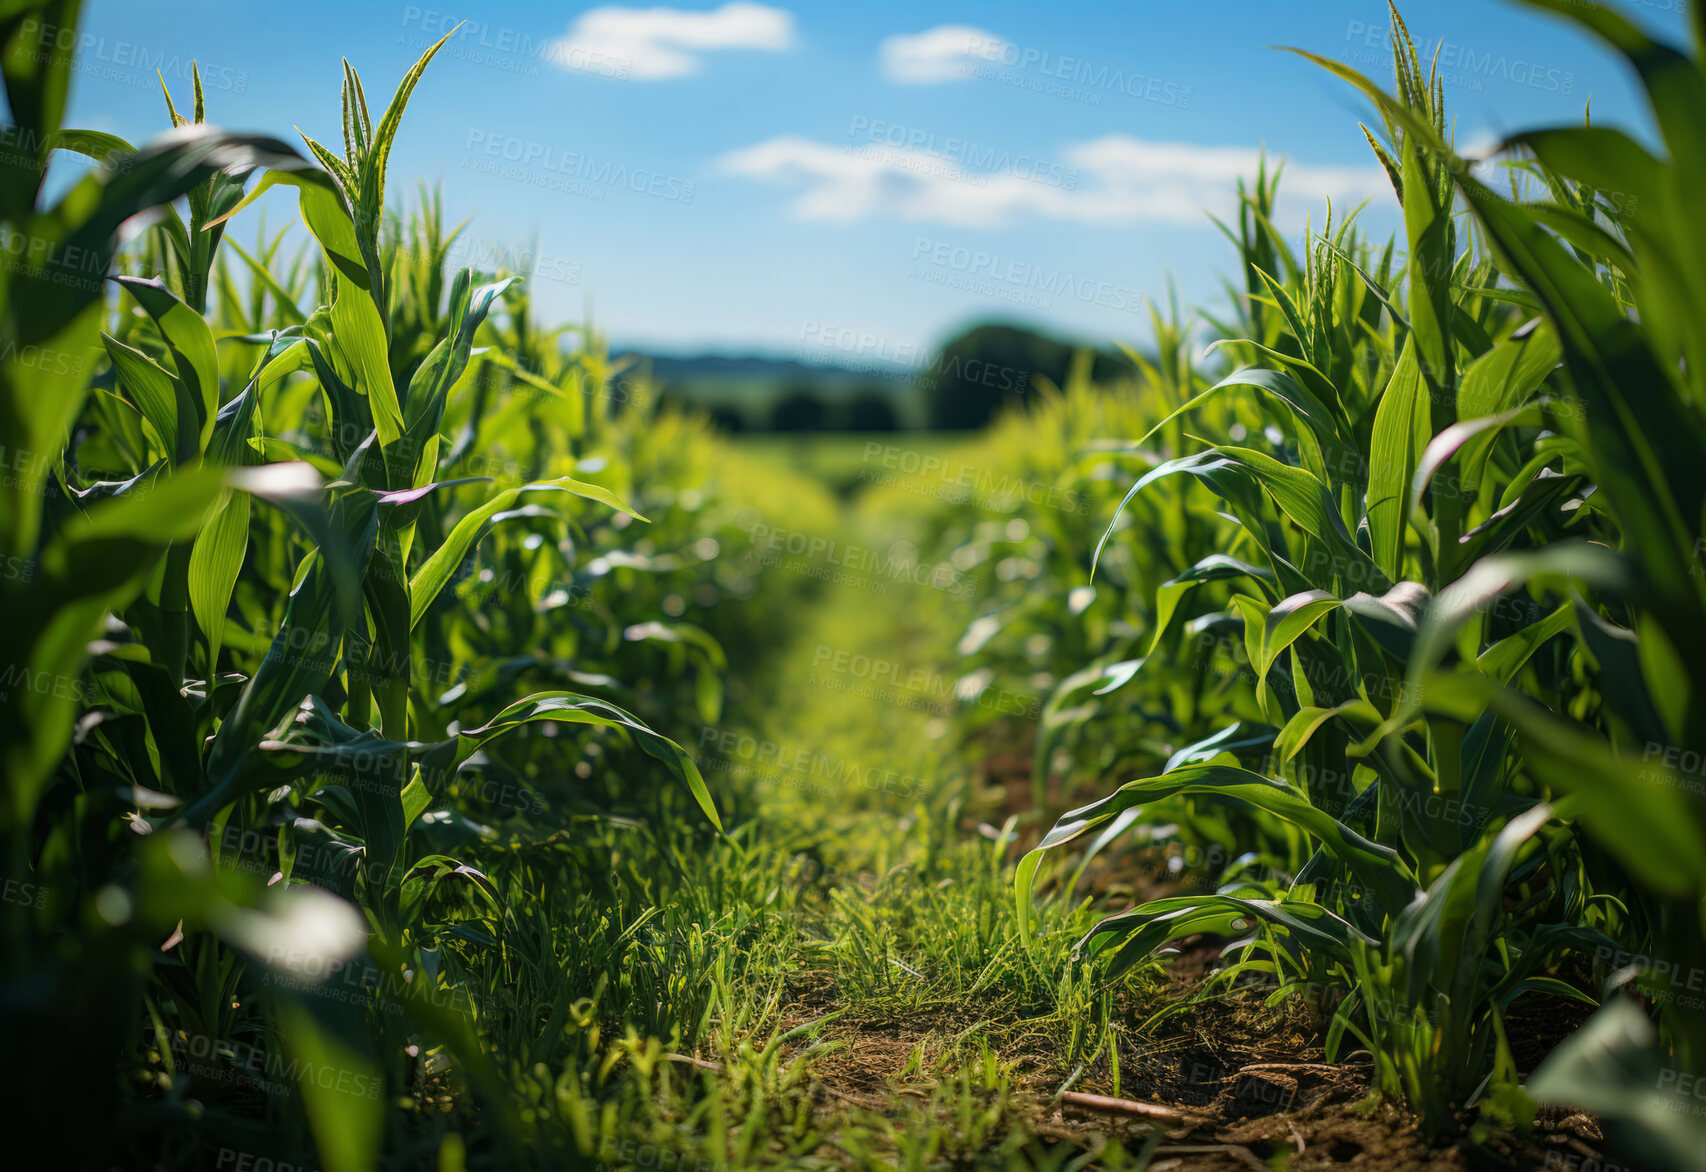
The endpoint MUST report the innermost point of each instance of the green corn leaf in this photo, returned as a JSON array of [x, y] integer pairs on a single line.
[[1242, 739], [1617, 651], [215, 562], [1428, 226], [1644, 447], [573, 708], [387, 597], [1216, 567], [1443, 936], [1402, 428], [161, 396], [1379, 868], [323, 211], [1602, 157], [1391, 619], [1614, 1067], [303, 653], [191, 344], [282, 297], [1509, 373], [347, 1121], [436, 571], [359, 333], [1540, 500], [37, 85], [1289, 620], [371, 201], [1471, 438], [682, 633], [93, 144], [1210, 467], [1638, 808], [1582, 233], [429, 388], [1486, 749], [1505, 658], [1491, 578], [95, 564], [1674, 83], [1138, 933]]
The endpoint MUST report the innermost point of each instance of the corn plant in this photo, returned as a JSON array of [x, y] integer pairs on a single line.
[[259, 679], [1458, 603]]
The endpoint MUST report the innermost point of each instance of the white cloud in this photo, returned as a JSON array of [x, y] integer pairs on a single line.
[[1113, 180], [944, 53], [653, 44], [1482, 151], [1479, 145]]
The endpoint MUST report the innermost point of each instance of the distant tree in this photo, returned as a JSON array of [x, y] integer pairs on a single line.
[[727, 419], [871, 410], [665, 399], [991, 367], [797, 410]]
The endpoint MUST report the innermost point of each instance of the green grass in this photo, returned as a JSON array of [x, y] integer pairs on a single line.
[[846, 461], [842, 938]]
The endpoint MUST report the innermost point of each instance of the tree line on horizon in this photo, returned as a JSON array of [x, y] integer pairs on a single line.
[[975, 376]]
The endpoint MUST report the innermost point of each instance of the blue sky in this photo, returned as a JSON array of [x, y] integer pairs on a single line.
[[849, 181]]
